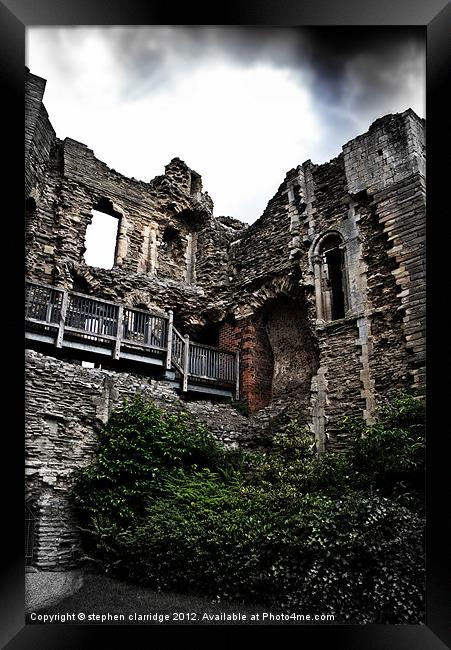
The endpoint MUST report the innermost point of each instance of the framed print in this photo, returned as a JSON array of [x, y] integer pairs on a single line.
[[225, 291]]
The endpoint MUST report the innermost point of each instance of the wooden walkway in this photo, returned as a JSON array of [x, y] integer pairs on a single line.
[[71, 320]]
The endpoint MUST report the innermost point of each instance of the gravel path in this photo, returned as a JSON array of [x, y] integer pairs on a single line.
[[44, 588]]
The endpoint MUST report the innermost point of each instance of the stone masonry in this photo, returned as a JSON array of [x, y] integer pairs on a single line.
[[323, 296]]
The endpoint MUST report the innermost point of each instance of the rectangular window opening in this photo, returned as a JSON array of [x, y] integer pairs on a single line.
[[101, 240], [334, 259]]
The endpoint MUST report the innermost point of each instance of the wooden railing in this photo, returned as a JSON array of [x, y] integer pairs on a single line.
[[87, 318], [178, 348], [43, 303], [206, 362]]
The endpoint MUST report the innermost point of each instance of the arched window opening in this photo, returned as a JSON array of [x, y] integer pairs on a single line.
[[334, 263], [330, 279], [30, 530]]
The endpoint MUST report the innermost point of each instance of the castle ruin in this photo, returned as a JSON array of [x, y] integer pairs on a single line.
[[317, 309]]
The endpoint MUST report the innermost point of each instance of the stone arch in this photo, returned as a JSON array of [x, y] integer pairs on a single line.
[[139, 299], [329, 260], [285, 352], [277, 287], [318, 241]]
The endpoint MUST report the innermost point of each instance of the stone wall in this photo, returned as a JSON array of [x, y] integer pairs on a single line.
[[214, 270], [39, 134], [66, 406], [166, 228], [372, 197], [401, 211], [157, 221], [293, 350]]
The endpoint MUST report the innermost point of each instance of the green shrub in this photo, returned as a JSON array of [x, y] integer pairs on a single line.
[[358, 558], [292, 464], [137, 447], [167, 506], [389, 456]]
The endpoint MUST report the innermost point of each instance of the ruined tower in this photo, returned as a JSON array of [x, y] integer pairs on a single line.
[[316, 309]]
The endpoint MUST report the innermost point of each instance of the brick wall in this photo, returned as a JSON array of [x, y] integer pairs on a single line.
[[256, 363], [277, 351]]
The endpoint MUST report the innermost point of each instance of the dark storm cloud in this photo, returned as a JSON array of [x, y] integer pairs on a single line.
[[330, 51], [149, 57], [205, 93]]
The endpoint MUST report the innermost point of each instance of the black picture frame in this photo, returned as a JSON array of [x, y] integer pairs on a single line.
[[15, 17]]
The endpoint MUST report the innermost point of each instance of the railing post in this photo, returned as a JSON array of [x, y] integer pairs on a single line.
[[62, 323], [48, 310], [185, 364], [120, 318], [237, 375], [169, 340]]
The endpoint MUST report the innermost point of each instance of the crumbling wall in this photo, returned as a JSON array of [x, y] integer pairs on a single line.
[[293, 350], [66, 405], [214, 268], [159, 221], [39, 134], [341, 387], [401, 213], [372, 197], [216, 273], [262, 251], [387, 164]]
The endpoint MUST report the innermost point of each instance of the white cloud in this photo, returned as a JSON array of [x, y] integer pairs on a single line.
[[240, 127], [139, 97]]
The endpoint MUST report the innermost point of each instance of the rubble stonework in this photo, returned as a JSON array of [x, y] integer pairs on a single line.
[[323, 296], [66, 406]]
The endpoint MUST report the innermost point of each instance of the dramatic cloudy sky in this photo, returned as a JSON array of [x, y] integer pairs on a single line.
[[241, 106]]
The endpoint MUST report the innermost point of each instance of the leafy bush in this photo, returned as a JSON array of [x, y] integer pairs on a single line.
[[167, 506], [389, 456], [137, 447], [292, 464]]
